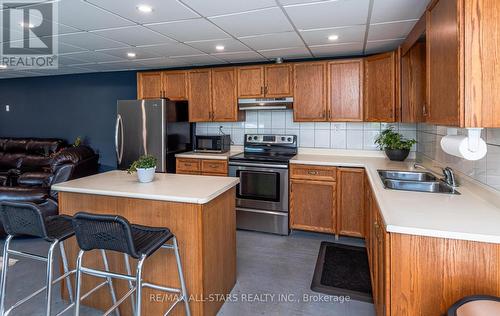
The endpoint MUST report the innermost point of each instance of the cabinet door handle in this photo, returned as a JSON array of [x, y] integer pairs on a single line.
[[261, 90], [313, 173], [265, 90], [212, 166], [424, 109]]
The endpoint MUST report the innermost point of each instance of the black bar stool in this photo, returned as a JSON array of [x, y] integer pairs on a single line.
[[25, 218], [112, 232]]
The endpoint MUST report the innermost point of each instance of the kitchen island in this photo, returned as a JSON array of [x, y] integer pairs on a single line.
[[199, 210]]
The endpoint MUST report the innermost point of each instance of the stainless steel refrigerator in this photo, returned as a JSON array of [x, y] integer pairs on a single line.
[[152, 127]]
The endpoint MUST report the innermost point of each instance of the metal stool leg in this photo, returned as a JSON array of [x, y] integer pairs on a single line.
[[130, 283], [48, 290], [3, 281], [138, 284], [66, 269], [78, 282], [110, 280], [181, 277]]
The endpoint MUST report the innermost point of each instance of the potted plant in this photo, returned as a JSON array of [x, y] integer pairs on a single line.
[[145, 167], [396, 147]]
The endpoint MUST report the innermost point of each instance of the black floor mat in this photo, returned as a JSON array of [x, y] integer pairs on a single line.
[[342, 270]]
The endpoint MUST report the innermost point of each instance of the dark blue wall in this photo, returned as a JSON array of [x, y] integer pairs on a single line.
[[67, 107]]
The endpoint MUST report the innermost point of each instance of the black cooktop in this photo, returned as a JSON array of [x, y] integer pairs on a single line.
[[264, 157]]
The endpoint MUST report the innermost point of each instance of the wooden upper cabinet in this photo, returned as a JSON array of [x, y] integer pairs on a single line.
[[224, 95], [413, 84], [443, 69], [251, 82], [309, 102], [345, 90], [199, 95], [350, 192], [380, 95], [149, 85], [174, 85], [278, 81]]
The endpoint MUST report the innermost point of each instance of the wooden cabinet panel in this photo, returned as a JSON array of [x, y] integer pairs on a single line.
[[175, 85], [199, 95], [310, 172], [345, 90], [251, 82], [278, 81], [211, 166], [149, 85], [380, 95], [309, 91], [313, 214], [224, 99], [413, 84], [350, 193], [444, 100], [186, 165]]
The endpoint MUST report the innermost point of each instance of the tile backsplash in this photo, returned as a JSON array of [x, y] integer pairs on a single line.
[[340, 135], [486, 170]]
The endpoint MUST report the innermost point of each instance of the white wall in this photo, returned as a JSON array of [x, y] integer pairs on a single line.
[[313, 135]]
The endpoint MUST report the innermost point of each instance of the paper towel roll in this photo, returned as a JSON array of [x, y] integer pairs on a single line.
[[459, 146]]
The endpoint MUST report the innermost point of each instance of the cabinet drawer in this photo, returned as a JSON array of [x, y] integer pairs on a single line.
[[190, 165], [214, 166], [310, 172]]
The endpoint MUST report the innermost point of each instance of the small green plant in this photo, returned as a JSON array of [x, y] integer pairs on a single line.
[[78, 142], [144, 162], [389, 139]]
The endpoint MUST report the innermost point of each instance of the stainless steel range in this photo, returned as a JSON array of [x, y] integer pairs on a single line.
[[262, 195]]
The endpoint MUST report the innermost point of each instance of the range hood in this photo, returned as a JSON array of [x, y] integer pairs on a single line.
[[265, 104]]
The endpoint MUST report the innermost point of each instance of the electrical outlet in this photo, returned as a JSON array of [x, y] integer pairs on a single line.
[[7, 108]]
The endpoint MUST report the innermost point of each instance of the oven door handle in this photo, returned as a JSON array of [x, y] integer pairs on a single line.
[[261, 211], [246, 164]]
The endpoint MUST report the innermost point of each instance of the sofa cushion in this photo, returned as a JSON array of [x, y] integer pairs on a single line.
[[10, 161], [72, 155], [15, 146], [42, 179], [24, 194], [44, 147], [2, 144], [35, 163]]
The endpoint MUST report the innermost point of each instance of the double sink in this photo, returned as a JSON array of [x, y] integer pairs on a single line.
[[414, 181]]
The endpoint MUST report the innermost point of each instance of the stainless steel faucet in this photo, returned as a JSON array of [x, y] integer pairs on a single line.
[[449, 177]]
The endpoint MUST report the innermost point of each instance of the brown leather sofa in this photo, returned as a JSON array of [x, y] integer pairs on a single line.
[[30, 166]]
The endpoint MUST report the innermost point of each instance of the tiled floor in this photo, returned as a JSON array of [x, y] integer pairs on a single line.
[[274, 276]]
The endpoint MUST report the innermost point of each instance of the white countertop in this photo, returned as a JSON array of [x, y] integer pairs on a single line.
[[467, 216], [166, 186], [202, 155]]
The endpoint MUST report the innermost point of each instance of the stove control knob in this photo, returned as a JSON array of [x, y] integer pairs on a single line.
[[255, 138], [283, 138], [249, 137], [289, 139]]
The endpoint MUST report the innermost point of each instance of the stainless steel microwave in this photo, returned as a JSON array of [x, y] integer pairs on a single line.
[[212, 143]]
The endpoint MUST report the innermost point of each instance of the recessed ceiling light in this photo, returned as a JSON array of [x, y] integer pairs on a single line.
[[26, 25], [3, 66], [131, 55], [219, 47], [144, 8], [333, 37]]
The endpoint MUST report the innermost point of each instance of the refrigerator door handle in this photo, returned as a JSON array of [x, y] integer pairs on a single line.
[[118, 130]]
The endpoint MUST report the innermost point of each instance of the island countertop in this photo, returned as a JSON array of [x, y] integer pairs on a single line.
[[166, 186]]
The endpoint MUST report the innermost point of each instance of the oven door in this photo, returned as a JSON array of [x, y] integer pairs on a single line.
[[262, 186]]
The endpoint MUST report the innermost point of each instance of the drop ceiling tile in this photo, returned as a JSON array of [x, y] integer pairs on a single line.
[[172, 49], [384, 31], [163, 10], [257, 22], [189, 30], [219, 7], [382, 46], [240, 57], [119, 66], [197, 60], [289, 2], [141, 52], [89, 41], [337, 50], [397, 10], [346, 34], [329, 14], [160, 62], [286, 53], [66, 48], [273, 41], [92, 57], [230, 45], [67, 60], [134, 35], [85, 16]]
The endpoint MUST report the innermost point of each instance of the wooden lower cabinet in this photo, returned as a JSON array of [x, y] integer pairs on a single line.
[[205, 167], [350, 202]]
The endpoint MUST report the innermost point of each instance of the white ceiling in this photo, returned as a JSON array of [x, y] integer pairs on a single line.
[[96, 35]]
